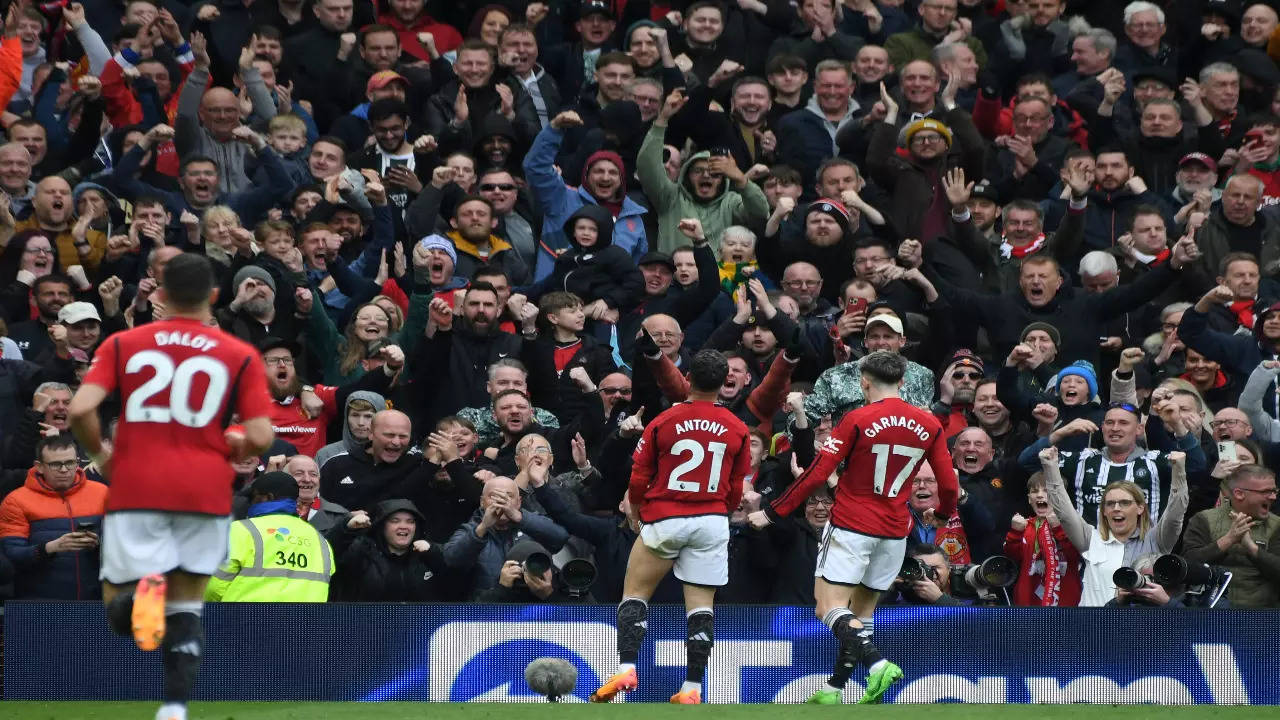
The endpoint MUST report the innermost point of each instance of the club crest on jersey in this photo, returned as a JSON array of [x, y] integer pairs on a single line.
[[831, 445]]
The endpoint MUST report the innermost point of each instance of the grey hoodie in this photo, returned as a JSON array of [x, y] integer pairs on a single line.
[[349, 445]]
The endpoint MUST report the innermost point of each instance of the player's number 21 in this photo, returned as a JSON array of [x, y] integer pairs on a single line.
[[697, 455], [882, 452], [178, 380]]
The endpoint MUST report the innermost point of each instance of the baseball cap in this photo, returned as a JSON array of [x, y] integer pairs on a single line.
[[75, 312], [272, 342], [383, 78], [1199, 157], [596, 7], [965, 357], [985, 190], [653, 257], [889, 321], [278, 483]]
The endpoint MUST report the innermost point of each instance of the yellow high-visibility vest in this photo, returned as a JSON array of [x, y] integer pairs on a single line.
[[273, 558]]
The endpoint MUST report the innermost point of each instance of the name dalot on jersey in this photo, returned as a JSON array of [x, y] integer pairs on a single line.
[[195, 341]]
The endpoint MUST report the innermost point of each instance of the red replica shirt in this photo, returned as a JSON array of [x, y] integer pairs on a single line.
[[179, 383], [690, 460], [885, 442], [293, 426]]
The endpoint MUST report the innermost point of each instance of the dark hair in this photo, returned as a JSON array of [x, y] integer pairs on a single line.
[[1236, 257], [332, 140], [883, 367], [1035, 78], [1113, 149], [127, 31], [482, 286], [1144, 209], [616, 58], [368, 30], [61, 441], [380, 110], [925, 549], [708, 370], [188, 281], [268, 32], [149, 201], [784, 174], [509, 391], [52, 278], [471, 199], [490, 271], [190, 160], [517, 28], [11, 256], [782, 62]]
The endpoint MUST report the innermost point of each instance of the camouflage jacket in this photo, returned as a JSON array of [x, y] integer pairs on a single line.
[[839, 390], [487, 425]]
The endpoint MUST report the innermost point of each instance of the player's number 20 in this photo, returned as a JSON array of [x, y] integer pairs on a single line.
[[177, 379], [882, 452], [697, 455]]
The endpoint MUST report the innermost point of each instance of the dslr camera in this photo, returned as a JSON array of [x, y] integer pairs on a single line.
[[986, 582]]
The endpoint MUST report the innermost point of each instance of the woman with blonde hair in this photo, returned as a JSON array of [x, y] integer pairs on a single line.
[[217, 233], [1124, 532], [348, 355]]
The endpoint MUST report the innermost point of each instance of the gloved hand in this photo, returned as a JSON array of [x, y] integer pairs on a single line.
[[646, 346], [795, 347]]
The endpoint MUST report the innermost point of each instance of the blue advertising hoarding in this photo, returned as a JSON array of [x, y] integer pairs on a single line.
[[762, 654]]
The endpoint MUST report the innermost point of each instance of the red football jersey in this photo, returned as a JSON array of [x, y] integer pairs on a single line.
[[885, 443], [179, 383], [691, 460]]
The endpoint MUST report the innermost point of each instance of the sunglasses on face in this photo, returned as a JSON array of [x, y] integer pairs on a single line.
[[504, 187], [965, 376]]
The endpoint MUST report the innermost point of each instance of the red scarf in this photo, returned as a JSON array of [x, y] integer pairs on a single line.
[[1160, 257], [1009, 250], [952, 540], [1045, 549], [315, 505], [1243, 310]]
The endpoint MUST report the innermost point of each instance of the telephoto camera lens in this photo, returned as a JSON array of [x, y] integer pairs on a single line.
[[913, 569], [578, 574], [1126, 578], [1171, 570], [537, 563]]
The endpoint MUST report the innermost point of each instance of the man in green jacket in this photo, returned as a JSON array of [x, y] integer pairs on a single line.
[[709, 188], [1241, 535]]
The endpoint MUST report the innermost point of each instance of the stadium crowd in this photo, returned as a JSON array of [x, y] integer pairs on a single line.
[[477, 244]]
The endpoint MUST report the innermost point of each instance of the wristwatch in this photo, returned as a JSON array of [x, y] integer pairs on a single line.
[[308, 388]]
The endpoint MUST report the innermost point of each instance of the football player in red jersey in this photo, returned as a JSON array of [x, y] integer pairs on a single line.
[[865, 541], [165, 532], [686, 478]]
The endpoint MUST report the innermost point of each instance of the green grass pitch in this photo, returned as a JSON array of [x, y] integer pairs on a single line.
[[616, 711]]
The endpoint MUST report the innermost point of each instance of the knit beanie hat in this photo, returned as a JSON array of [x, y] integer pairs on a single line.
[[928, 124], [1260, 315], [255, 272], [1081, 368], [1054, 335], [832, 208], [440, 242]]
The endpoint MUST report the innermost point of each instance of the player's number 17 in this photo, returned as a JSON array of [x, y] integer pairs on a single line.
[[882, 452]]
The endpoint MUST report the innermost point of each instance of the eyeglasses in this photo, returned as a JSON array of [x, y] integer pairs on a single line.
[[1268, 492], [802, 283], [63, 465], [704, 171], [1231, 422], [279, 360], [1118, 504], [490, 187], [819, 502], [926, 138], [965, 376], [871, 260], [664, 335], [540, 450], [1169, 327], [1029, 119], [615, 391], [39, 251]]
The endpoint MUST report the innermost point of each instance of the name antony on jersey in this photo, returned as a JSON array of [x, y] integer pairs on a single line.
[[705, 425], [889, 421]]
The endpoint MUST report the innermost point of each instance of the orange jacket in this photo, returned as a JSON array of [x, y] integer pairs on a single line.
[[33, 515], [10, 69]]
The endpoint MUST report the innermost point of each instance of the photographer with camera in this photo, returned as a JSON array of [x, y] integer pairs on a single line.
[[1170, 581], [1243, 536], [527, 576], [1124, 532], [925, 579]]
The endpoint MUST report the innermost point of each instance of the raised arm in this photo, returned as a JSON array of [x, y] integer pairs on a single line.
[[1078, 531], [1169, 526]]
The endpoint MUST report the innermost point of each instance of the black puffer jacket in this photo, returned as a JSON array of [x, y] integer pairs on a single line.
[[602, 271], [369, 572]]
